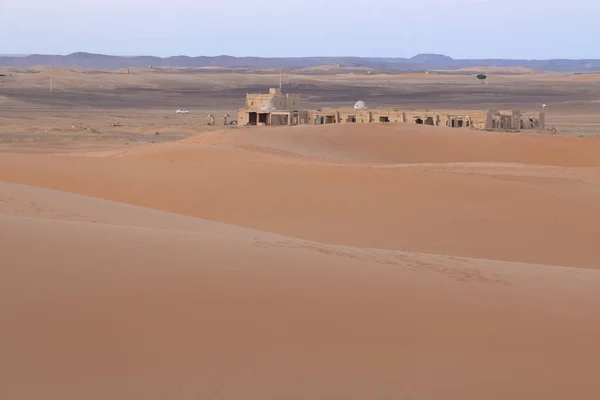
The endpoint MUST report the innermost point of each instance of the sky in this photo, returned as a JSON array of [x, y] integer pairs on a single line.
[[524, 29]]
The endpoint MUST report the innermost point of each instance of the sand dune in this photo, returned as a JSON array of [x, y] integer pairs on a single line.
[[403, 143], [518, 198], [107, 300]]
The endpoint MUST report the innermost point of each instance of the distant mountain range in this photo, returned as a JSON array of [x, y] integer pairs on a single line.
[[420, 62]]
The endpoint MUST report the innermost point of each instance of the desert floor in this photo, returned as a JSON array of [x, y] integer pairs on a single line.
[[146, 255]]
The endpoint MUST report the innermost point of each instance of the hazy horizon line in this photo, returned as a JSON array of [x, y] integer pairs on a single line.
[[287, 57]]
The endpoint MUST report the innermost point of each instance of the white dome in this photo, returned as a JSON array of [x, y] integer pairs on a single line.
[[360, 105]]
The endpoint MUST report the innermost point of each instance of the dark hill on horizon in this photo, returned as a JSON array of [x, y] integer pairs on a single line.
[[417, 63]]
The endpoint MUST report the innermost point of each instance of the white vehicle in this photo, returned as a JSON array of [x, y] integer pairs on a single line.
[[182, 111]]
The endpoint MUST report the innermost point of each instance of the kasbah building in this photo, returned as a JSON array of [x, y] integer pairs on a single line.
[[276, 108]]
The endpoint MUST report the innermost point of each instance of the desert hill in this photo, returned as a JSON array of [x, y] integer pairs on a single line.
[[417, 63]]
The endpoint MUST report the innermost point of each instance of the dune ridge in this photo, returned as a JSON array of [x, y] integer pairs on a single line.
[[400, 143], [533, 199]]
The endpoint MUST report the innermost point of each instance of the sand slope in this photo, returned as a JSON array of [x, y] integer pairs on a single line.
[[402, 143], [506, 197], [105, 300]]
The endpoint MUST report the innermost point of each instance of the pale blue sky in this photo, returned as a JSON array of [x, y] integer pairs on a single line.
[[390, 28]]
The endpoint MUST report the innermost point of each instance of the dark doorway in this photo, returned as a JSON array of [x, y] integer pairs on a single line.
[[460, 123], [329, 119], [252, 118], [384, 119], [262, 118], [351, 118], [429, 121], [419, 121]]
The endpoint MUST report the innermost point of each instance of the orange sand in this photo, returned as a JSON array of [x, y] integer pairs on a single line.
[[496, 196], [325, 292]]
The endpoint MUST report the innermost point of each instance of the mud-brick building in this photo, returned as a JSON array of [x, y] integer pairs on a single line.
[[276, 108], [272, 108]]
